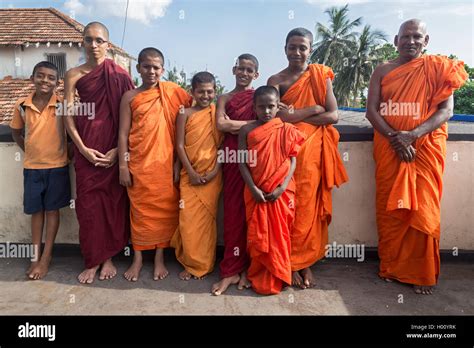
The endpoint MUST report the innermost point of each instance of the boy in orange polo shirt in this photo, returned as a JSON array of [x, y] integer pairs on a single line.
[[45, 174]]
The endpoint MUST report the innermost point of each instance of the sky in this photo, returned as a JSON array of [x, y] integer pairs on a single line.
[[197, 35]]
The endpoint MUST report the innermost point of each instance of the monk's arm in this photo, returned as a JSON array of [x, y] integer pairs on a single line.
[[93, 156], [224, 123], [373, 106], [405, 152], [444, 113], [124, 131], [257, 194], [194, 177], [288, 113], [282, 187], [18, 138], [329, 116]]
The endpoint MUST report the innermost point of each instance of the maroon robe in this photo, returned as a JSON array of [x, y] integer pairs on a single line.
[[239, 108], [102, 203]]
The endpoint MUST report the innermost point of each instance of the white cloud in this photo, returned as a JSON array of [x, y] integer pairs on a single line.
[[143, 11]]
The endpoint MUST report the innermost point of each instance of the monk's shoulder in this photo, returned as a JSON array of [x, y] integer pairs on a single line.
[[384, 68], [276, 79], [224, 98], [74, 74], [130, 94]]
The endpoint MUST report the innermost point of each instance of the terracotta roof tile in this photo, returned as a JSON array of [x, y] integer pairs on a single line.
[[19, 26]]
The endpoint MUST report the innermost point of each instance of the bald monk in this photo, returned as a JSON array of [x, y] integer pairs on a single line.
[[410, 99], [308, 101], [269, 192], [197, 143], [234, 110], [149, 167], [101, 204]]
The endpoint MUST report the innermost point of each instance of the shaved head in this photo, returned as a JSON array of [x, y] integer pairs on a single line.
[[412, 23], [97, 24]]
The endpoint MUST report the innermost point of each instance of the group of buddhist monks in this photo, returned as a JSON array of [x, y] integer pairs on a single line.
[[147, 168]]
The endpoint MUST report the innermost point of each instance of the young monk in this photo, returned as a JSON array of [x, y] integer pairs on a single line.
[[234, 110], [46, 173], [197, 142], [269, 192], [101, 204], [148, 165], [308, 101], [409, 152]]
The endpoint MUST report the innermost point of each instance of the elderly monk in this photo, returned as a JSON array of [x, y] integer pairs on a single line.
[[309, 103], [101, 204], [410, 99]]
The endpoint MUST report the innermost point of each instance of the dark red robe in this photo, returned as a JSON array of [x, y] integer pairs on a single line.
[[102, 203], [240, 108]]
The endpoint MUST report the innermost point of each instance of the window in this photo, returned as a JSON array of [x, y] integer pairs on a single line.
[[58, 59]]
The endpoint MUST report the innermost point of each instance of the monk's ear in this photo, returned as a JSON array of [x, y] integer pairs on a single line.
[[427, 39], [234, 70], [395, 41], [257, 74], [32, 78], [138, 67]]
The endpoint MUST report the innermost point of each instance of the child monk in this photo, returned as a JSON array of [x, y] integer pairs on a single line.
[[307, 92], [148, 166], [234, 110], [197, 143], [269, 192], [46, 175]]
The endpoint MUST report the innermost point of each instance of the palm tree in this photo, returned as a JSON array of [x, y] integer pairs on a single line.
[[359, 65], [334, 40]]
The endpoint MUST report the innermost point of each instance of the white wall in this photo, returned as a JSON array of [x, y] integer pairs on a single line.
[[353, 203]]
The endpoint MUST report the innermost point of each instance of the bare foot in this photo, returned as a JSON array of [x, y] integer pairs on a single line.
[[243, 282], [108, 270], [32, 265], [425, 290], [160, 271], [40, 270], [388, 280], [185, 275], [221, 286], [308, 277], [200, 278], [133, 271], [296, 280], [87, 276]]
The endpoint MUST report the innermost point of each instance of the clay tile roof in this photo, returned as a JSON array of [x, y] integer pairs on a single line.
[[19, 26], [13, 89]]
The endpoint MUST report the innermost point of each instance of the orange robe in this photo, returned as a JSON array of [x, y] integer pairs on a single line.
[[154, 207], [269, 223], [409, 194], [318, 168], [195, 240]]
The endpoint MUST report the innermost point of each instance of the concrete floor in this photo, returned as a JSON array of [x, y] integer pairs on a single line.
[[345, 287]]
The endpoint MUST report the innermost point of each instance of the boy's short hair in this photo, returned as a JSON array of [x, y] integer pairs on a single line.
[[248, 56], [299, 32], [265, 90], [203, 77], [45, 64], [150, 51], [99, 24]]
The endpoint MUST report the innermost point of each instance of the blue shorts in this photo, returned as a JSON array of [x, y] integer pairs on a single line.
[[46, 189]]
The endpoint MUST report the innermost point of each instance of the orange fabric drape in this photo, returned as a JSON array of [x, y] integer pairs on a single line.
[[269, 223], [409, 194], [195, 240], [154, 207], [319, 167]]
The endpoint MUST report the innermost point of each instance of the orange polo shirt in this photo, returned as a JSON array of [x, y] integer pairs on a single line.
[[45, 135]]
